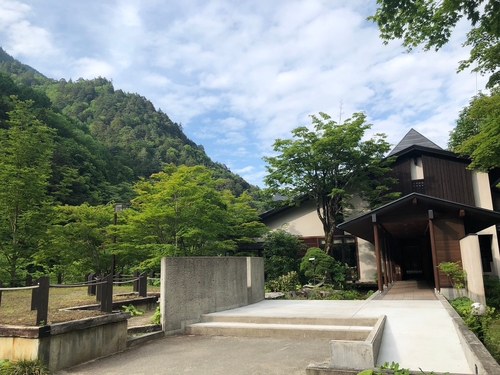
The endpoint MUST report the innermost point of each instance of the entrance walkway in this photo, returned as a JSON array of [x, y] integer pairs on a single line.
[[417, 334], [409, 290]]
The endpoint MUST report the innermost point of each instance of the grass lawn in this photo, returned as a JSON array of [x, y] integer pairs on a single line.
[[493, 338], [15, 305]]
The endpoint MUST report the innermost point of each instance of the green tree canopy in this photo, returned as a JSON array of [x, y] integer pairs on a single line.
[[180, 211], [430, 23], [477, 132], [78, 241], [26, 146], [329, 164]]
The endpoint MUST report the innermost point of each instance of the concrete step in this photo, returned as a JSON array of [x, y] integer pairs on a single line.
[[283, 330], [363, 322]]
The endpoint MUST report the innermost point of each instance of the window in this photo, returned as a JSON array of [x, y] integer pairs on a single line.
[[418, 186], [344, 250]]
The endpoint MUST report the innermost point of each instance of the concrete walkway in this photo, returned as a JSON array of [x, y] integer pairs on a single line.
[[417, 334], [409, 290]]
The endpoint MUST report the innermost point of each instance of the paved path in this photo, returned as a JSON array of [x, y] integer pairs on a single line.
[[417, 334], [409, 290]]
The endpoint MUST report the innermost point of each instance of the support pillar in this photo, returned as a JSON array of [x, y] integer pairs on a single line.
[[377, 253], [434, 253]]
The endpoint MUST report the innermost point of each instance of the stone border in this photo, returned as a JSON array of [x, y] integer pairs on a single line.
[[479, 358]]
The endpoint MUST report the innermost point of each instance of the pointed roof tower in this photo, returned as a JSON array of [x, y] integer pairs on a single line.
[[413, 138]]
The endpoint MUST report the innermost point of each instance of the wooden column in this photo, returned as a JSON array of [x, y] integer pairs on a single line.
[[433, 250], [384, 261], [377, 253], [391, 267]]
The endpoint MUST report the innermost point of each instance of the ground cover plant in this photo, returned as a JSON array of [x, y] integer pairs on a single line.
[[23, 367], [15, 306], [486, 327]]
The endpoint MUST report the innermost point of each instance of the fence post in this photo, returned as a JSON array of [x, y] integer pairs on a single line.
[[107, 294], [151, 276], [143, 285], [136, 282], [29, 280], [34, 296], [118, 277], [1, 284], [91, 288], [43, 301], [99, 288]]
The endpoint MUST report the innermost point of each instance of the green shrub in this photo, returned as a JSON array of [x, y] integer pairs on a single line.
[[284, 283], [479, 324], [492, 291], [156, 318], [23, 367], [132, 310], [344, 295], [455, 273], [281, 253], [323, 268]]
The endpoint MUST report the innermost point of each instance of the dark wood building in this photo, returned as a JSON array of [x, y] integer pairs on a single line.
[[442, 203]]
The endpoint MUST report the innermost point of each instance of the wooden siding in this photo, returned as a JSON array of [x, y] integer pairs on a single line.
[[401, 171], [448, 179], [448, 233], [443, 178]]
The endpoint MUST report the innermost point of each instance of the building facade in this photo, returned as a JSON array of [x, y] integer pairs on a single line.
[[446, 213]]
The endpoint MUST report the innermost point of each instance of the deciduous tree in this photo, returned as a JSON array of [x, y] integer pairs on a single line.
[[478, 131], [26, 146], [329, 164], [180, 212]]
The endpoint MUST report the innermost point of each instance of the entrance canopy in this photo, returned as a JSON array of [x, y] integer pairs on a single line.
[[408, 217]]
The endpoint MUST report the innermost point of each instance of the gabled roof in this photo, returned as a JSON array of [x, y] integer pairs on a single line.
[[414, 138], [278, 210], [415, 206]]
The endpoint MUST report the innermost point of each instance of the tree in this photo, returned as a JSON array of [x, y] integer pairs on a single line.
[[282, 252], [180, 212], [478, 131], [79, 239], [26, 146], [328, 165], [431, 22]]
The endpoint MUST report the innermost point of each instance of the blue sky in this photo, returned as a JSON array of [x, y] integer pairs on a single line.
[[239, 74]]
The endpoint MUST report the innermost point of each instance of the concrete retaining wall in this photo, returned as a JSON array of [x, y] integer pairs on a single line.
[[192, 286], [348, 354], [62, 345], [480, 360]]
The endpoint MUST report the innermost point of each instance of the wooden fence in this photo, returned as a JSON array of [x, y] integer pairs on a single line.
[[100, 286]]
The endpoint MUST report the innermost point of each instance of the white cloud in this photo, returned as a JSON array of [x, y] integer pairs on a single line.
[[238, 75], [22, 37], [89, 68]]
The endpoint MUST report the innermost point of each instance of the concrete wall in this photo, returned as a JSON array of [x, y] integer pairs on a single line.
[[471, 263], [72, 348], [192, 286], [483, 199], [255, 279], [66, 344]]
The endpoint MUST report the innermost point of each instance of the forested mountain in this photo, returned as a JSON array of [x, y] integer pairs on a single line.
[[106, 139]]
